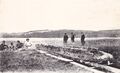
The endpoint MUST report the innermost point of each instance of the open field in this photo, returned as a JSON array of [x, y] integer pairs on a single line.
[[108, 45], [32, 60], [111, 46]]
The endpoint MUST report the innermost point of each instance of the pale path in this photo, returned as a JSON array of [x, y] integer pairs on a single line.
[[71, 61]]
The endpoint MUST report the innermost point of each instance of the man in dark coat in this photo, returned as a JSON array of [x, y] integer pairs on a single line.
[[3, 46], [65, 38], [72, 37], [83, 39], [19, 45]]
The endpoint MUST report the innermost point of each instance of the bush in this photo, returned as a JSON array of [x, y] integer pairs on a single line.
[[5, 58]]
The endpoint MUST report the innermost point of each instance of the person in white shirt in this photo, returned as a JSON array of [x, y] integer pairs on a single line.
[[27, 43]]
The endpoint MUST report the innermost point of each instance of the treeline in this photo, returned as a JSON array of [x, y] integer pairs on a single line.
[[60, 33]]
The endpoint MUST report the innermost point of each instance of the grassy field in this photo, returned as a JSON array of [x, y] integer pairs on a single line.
[[32, 60], [24, 61], [111, 46]]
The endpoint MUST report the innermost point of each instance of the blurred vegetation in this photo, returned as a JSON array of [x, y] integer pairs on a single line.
[[31, 60], [111, 46]]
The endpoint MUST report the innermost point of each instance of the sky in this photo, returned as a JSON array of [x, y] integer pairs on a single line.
[[27, 15]]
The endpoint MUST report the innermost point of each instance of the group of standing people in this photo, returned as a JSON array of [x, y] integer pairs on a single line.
[[15, 46], [65, 38], [28, 44]]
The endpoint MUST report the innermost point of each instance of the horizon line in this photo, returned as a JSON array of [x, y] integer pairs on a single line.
[[58, 30]]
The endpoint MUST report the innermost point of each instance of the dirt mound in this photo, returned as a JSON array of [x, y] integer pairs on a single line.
[[81, 53]]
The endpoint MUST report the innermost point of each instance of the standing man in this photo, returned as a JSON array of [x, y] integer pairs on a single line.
[[83, 39], [72, 37], [65, 38]]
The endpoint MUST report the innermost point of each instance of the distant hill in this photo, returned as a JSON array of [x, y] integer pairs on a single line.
[[60, 33]]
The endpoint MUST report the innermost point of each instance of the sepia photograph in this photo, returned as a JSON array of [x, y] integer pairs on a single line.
[[59, 36]]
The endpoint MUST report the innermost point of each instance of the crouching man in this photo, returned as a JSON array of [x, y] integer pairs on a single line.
[[3, 46]]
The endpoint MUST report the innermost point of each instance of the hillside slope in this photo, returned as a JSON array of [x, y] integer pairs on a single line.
[[60, 33]]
